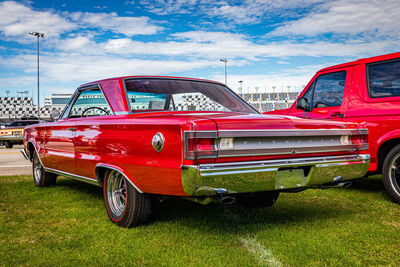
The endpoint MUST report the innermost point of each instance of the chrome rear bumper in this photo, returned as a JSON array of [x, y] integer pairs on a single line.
[[282, 174]]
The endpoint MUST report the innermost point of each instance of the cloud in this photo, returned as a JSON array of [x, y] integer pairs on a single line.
[[240, 12], [351, 17], [16, 20], [128, 26]]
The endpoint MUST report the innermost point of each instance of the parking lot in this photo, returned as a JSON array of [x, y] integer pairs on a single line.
[[13, 163]]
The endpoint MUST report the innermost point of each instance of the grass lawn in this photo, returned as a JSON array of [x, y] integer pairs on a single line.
[[68, 225]]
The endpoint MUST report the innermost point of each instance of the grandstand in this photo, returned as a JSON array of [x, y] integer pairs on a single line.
[[14, 108]]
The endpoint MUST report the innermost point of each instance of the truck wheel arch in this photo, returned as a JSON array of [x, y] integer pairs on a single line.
[[384, 148]]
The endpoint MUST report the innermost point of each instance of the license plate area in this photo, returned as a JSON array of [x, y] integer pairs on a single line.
[[291, 178]]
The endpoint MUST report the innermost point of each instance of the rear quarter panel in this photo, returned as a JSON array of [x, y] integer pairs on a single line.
[[126, 143]]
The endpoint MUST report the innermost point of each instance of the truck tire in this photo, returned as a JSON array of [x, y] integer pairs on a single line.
[[8, 144], [41, 178], [258, 199], [125, 206], [391, 173]]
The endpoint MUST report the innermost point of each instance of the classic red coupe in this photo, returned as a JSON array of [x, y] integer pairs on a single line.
[[150, 137]]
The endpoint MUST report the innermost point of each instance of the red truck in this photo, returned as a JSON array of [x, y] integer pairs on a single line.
[[366, 91]]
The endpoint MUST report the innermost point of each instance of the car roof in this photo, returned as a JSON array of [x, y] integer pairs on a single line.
[[363, 60], [152, 77]]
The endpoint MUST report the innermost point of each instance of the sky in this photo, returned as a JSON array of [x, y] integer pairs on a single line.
[[266, 43]]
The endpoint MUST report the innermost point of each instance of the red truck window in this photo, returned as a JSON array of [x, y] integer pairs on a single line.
[[327, 90], [384, 79]]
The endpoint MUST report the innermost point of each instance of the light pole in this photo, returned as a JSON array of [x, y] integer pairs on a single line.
[[38, 35], [225, 61], [241, 88]]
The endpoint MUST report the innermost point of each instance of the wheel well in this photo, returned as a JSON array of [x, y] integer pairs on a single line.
[[31, 150], [384, 150], [100, 173]]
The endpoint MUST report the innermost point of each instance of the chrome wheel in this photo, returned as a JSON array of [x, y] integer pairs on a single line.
[[394, 173], [37, 170], [116, 193]]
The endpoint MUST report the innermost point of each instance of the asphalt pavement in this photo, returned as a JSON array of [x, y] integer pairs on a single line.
[[13, 163]]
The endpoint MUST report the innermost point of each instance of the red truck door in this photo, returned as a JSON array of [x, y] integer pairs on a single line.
[[326, 95]]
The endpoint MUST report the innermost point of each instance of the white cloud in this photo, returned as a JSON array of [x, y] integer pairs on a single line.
[[215, 45], [368, 17], [128, 26], [16, 20], [241, 12]]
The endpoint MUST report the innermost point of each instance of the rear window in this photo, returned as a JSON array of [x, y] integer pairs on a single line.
[[384, 79]]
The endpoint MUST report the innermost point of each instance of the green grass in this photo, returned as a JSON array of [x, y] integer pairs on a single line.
[[68, 225]]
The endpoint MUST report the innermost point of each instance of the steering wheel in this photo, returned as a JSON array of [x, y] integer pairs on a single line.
[[86, 110], [328, 101]]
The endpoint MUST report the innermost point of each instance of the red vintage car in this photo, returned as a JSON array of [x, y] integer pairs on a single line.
[[150, 137]]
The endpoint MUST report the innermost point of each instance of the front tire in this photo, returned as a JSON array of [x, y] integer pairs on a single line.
[[41, 178], [391, 174], [125, 206], [258, 199]]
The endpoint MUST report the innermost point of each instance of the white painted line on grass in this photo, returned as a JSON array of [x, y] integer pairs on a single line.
[[15, 166], [264, 255]]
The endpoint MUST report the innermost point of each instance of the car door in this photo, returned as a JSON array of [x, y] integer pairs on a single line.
[[58, 143], [89, 111], [326, 96]]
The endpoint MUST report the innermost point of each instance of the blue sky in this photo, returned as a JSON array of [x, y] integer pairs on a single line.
[[267, 42]]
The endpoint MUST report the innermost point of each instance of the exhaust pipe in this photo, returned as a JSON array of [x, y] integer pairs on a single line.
[[222, 197], [333, 185], [227, 200]]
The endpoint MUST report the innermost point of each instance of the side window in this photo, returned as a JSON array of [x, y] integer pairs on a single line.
[[329, 89], [308, 95], [384, 79], [90, 102]]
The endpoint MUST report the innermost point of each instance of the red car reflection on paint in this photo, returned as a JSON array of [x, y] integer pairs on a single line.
[[150, 137]]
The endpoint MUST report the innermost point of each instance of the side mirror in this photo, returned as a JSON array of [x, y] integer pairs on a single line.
[[55, 114], [302, 103]]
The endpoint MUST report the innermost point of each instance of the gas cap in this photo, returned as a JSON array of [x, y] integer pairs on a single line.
[[158, 142]]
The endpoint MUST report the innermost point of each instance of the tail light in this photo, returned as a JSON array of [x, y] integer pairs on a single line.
[[200, 145], [359, 141]]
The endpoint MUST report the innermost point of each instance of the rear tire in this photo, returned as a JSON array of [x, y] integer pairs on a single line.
[[258, 199], [125, 206], [41, 178], [8, 144], [391, 174]]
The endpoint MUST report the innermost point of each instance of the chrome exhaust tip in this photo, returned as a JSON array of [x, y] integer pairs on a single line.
[[226, 200]]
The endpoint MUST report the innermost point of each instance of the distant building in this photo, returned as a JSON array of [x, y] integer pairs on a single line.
[[57, 99]]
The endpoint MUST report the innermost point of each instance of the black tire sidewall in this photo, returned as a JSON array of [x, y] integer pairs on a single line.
[[119, 220], [393, 192]]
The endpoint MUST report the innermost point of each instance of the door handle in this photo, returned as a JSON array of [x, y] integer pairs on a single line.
[[337, 114], [72, 129]]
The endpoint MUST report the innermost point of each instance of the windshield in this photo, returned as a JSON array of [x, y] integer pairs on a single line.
[[182, 95]]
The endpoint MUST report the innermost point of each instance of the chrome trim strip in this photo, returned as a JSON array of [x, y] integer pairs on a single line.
[[290, 132], [22, 150], [273, 133], [73, 176], [115, 169], [289, 151], [283, 162]]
